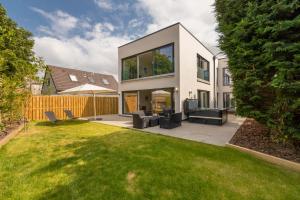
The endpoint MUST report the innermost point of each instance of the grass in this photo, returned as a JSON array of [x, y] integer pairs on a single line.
[[84, 160]]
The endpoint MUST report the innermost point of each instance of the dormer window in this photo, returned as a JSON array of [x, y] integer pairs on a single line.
[[91, 79], [73, 77], [105, 81]]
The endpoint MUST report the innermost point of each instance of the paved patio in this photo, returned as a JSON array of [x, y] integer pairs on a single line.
[[217, 135]]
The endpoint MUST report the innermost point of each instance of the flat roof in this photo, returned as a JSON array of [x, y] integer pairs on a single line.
[[178, 23]]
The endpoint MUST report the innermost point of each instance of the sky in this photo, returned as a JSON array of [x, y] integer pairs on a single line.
[[85, 34]]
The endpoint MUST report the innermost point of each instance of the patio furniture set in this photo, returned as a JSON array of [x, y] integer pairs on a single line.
[[167, 120]]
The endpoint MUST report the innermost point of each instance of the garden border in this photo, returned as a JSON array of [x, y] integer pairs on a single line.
[[272, 159], [11, 135]]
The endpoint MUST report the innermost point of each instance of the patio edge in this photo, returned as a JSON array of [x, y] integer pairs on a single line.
[[271, 159]]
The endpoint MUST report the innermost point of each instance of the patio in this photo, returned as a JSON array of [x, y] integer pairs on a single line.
[[210, 134]]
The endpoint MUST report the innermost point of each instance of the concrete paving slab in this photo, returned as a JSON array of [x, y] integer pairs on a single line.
[[211, 134]]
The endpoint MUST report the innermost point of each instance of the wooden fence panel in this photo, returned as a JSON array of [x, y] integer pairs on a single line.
[[81, 106]]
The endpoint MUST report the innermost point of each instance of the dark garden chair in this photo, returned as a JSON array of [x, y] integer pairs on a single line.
[[171, 121], [51, 116], [70, 114]]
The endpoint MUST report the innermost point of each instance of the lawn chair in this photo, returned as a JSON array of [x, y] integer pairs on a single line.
[[70, 114], [51, 116]]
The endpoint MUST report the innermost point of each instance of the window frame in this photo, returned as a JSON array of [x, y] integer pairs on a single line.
[[199, 98], [73, 76], [230, 81], [198, 78], [231, 97], [172, 44]]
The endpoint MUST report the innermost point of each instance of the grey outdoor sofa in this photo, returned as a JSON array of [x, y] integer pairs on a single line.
[[204, 116]]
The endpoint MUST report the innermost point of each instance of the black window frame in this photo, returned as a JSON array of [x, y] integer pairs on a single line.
[[154, 49]]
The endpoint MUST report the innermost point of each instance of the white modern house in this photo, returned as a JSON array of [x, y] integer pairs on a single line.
[[162, 69]]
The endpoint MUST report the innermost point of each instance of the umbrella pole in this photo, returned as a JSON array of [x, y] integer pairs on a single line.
[[94, 107]]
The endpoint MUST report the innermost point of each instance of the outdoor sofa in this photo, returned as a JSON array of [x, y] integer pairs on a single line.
[[204, 115], [140, 120]]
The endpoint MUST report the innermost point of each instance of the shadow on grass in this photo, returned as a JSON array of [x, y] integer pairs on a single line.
[[127, 164], [61, 123]]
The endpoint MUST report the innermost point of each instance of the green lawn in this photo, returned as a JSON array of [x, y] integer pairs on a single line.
[[84, 160]]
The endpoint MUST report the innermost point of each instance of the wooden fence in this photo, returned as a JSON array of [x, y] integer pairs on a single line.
[[81, 106]]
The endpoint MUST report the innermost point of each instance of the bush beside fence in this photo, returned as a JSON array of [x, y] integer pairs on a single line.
[[81, 106]]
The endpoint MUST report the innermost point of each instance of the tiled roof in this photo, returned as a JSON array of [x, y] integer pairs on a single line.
[[62, 80]]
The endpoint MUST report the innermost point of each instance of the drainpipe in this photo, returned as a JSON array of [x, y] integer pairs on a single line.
[[214, 90]]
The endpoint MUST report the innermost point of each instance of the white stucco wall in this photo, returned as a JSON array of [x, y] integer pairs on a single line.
[[189, 48], [158, 39]]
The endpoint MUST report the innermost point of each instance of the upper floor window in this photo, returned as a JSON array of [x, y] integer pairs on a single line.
[[163, 60], [226, 77], [202, 68], [73, 77], [129, 68], [151, 63]]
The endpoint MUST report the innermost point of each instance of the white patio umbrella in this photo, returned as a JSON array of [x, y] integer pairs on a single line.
[[89, 89]]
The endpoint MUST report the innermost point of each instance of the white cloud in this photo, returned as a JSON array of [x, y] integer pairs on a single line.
[[104, 4], [196, 15], [95, 50], [97, 53], [61, 22]]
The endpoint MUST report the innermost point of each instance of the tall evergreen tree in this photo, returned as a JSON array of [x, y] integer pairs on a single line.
[[18, 66], [262, 41]]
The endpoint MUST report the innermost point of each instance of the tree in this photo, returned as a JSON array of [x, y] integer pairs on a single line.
[[18, 66], [262, 42]]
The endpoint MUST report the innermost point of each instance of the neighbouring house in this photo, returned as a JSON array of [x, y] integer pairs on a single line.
[[162, 69], [224, 97], [36, 88], [58, 79]]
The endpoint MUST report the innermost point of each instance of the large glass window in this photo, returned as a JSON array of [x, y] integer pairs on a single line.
[[203, 97], [226, 77], [129, 68], [164, 60], [202, 68], [146, 64], [154, 62]]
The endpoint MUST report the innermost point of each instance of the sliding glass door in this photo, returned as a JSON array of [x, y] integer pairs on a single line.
[[162, 99], [130, 102]]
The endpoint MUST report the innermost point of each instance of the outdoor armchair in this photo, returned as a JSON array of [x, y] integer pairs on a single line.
[[140, 120], [172, 121]]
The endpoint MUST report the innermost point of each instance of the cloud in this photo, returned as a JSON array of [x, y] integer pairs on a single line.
[[61, 22], [95, 49], [196, 15], [104, 4], [98, 54], [84, 44]]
